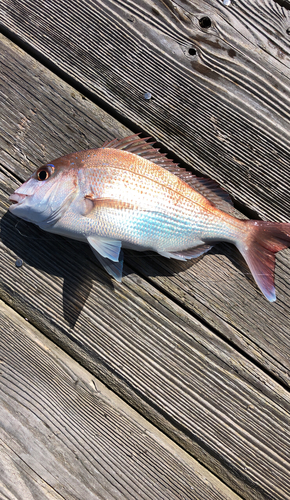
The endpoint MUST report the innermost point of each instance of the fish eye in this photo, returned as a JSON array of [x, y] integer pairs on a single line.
[[44, 173]]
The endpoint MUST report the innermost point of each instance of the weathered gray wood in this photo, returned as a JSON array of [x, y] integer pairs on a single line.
[[63, 434], [224, 111], [213, 288], [219, 406], [18, 481]]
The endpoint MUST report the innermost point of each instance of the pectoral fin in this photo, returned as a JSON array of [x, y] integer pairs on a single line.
[[109, 249], [191, 253]]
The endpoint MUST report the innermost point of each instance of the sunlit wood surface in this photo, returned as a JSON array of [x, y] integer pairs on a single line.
[[195, 361]]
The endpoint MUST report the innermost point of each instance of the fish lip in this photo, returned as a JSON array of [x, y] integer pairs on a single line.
[[17, 198]]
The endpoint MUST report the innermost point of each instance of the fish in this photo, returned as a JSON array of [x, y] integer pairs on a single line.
[[127, 194]]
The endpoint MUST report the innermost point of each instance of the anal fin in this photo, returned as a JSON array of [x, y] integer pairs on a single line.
[[191, 253]]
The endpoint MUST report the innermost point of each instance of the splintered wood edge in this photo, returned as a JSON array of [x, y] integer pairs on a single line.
[[80, 375]]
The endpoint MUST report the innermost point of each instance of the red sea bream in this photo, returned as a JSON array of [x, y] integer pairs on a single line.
[[127, 194]]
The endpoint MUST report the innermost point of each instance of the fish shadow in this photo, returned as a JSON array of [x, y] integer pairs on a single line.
[[75, 263], [51, 254]]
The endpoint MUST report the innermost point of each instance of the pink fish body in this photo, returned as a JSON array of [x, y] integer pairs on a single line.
[[127, 194]]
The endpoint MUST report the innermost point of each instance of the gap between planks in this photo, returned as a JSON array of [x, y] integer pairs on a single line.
[[235, 308], [231, 100], [134, 292], [47, 398]]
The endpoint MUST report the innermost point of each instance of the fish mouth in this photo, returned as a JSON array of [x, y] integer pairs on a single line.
[[17, 198]]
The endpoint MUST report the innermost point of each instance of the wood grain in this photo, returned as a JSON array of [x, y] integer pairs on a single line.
[[67, 436], [49, 123], [179, 374], [18, 481], [224, 108]]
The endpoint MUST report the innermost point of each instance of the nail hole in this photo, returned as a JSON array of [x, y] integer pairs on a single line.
[[192, 51], [288, 31], [205, 22]]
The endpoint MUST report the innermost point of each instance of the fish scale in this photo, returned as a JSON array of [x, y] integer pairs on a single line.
[[128, 194], [159, 202]]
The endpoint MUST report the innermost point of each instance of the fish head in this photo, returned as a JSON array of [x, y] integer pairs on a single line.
[[46, 195]]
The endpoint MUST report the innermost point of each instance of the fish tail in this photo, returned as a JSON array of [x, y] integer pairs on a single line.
[[264, 239]]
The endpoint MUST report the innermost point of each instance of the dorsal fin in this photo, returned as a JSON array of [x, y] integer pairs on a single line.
[[206, 187]]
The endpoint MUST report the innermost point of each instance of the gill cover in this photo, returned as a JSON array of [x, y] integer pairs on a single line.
[[44, 197]]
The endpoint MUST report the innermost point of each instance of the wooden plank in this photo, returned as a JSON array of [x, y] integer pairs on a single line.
[[214, 288], [18, 481], [62, 427], [222, 113], [209, 398], [223, 109]]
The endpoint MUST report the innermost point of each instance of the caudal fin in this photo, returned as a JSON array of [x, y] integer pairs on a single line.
[[258, 249]]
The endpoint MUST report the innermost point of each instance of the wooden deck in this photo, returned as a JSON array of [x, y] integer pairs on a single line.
[[175, 383]]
